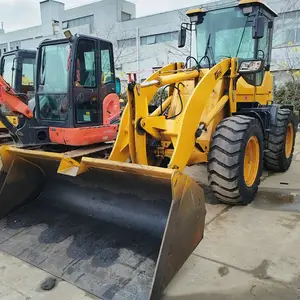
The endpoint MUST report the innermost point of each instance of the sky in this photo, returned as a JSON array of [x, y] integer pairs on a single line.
[[18, 14]]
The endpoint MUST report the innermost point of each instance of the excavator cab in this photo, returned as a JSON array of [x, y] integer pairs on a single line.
[[76, 100], [17, 69]]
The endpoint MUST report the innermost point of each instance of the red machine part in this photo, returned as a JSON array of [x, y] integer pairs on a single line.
[[82, 136], [111, 108], [10, 99], [130, 79]]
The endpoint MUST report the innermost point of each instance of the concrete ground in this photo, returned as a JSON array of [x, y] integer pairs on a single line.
[[248, 252]]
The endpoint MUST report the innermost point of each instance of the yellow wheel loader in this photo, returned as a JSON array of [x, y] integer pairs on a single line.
[[121, 228], [220, 108]]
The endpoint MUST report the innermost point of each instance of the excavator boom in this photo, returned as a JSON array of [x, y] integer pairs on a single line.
[[11, 100]]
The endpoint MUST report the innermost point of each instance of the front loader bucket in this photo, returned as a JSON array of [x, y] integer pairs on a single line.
[[117, 230]]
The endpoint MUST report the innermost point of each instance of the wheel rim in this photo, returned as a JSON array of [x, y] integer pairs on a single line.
[[251, 161], [289, 140]]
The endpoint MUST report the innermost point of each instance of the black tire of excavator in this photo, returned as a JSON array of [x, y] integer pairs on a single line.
[[275, 159], [226, 160]]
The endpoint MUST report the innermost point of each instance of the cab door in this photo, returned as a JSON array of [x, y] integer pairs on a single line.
[[110, 102], [86, 83]]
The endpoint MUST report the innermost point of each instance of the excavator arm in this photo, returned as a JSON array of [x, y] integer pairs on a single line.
[[14, 103]]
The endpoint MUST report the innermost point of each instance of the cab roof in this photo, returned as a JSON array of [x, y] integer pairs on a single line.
[[227, 4], [260, 3]]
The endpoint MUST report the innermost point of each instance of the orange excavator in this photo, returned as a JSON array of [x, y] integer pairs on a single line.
[[76, 96]]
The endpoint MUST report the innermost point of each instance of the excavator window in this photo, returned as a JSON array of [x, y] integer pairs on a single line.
[[9, 69], [86, 82], [85, 75], [53, 82], [107, 68], [27, 81]]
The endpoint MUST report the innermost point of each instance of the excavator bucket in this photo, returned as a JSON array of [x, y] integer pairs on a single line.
[[116, 230]]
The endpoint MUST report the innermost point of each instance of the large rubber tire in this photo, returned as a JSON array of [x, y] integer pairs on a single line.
[[227, 156], [275, 156]]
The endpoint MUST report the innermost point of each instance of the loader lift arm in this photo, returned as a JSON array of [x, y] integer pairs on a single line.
[[131, 142], [183, 137]]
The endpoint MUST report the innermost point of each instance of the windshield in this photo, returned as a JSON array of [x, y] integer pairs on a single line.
[[53, 81], [227, 32], [8, 70]]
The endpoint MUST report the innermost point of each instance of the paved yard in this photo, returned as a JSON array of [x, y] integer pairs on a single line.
[[248, 252]]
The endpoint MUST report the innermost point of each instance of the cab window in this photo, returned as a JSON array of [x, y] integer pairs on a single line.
[[107, 69], [85, 75]]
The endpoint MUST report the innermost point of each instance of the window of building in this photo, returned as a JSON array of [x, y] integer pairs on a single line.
[[298, 35], [290, 35], [125, 16], [159, 38], [3, 48], [127, 43], [15, 45], [65, 25], [286, 29], [79, 22]]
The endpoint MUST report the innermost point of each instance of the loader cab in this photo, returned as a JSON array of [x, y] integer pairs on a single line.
[[18, 69], [75, 82], [244, 31]]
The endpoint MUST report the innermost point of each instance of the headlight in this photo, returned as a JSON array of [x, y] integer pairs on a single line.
[[251, 66]]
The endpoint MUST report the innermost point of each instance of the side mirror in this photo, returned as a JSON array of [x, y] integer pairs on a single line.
[[118, 86], [249, 67], [182, 37], [258, 27]]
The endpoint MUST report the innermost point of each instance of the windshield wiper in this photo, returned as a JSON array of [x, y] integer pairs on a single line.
[[210, 49]]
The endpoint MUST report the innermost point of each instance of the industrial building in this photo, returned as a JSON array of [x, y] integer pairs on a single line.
[[144, 43]]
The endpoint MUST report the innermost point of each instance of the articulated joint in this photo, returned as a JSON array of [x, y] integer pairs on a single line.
[[139, 127], [200, 130]]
